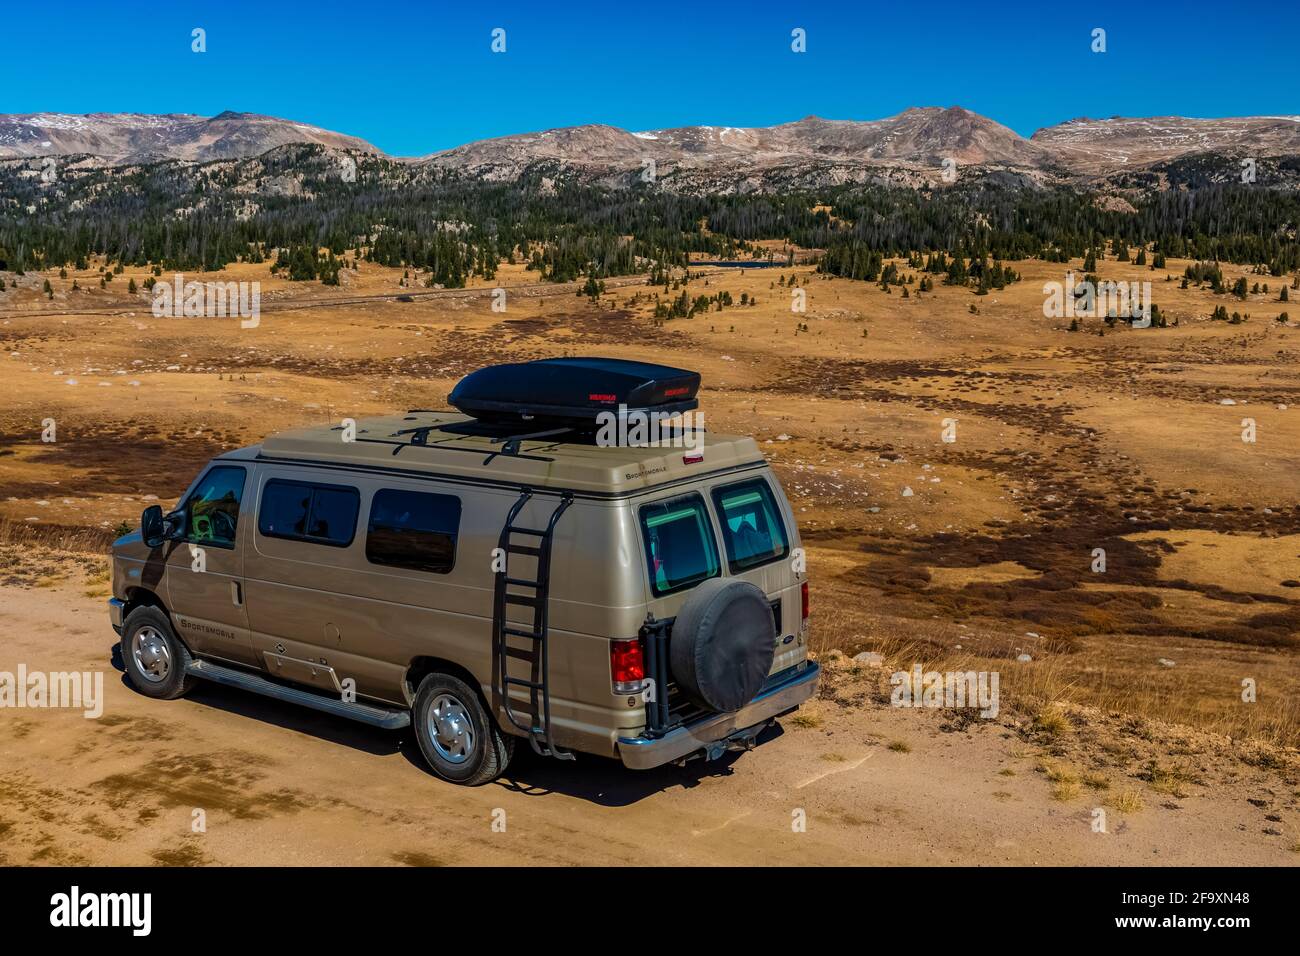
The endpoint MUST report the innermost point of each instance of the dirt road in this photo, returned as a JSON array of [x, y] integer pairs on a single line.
[[277, 785]]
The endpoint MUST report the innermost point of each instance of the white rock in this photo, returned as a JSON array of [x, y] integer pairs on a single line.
[[1226, 401], [907, 492], [1166, 662], [870, 658], [1024, 658]]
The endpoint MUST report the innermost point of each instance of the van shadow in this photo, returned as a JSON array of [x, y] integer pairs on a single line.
[[278, 713], [606, 782], [597, 780]]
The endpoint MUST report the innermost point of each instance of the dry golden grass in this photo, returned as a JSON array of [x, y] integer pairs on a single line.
[[1168, 779], [1126, 801], [54, 537], [1096, 781], [1058, 772], [1051, 721], [1065, 790], [1058, 434]]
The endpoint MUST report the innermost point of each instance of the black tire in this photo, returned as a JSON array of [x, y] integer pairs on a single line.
[[487, 752], [722, 644], [156, 664]]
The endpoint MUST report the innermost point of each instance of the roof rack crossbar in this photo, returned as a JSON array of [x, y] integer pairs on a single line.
[[510, 443], [399, 445]]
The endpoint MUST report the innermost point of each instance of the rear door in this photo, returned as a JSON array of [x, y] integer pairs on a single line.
[[757, 547], [205, 570]]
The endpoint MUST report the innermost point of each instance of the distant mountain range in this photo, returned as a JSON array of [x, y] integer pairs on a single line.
[[911, 148], [122, 138]]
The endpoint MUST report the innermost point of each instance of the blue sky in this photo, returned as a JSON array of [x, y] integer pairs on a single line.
[[413, 77]]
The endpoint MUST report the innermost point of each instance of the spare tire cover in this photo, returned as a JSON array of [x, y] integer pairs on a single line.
[[722, 644]]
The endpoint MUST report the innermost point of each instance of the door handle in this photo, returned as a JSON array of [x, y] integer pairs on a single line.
[[236, 594]]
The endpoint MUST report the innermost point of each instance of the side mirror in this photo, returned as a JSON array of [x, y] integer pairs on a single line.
[[151, 526], [175, 524]]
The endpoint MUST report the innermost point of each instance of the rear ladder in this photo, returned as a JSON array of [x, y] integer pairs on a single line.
[[534, 654]]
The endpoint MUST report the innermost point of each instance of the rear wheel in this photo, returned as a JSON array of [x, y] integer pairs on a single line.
[[154, 657], [459, 740]]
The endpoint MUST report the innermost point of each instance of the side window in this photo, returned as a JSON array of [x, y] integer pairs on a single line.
[[679, 545], [212, 509], [412, 529], [751, 524], [323, 514]]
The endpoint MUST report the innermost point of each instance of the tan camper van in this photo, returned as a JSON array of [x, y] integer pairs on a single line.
[[530, 566]]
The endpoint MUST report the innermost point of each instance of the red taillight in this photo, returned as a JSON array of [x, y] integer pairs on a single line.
[[803, 599], [626, 666]]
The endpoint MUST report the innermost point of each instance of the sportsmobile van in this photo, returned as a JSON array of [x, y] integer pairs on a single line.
[[488, 574]]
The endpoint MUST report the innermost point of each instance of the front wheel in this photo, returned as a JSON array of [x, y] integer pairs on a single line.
[[154, 657], [458, 739]]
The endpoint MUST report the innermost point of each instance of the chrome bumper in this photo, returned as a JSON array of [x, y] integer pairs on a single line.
[[642, 753], [115, 609]]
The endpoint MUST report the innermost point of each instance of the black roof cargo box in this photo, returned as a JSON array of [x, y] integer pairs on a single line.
[[573, 391]]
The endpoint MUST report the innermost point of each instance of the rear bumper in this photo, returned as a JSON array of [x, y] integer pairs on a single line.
[[642, 753], [115, 609]]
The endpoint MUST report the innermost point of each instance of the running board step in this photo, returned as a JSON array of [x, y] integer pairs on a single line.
[[383, 717]]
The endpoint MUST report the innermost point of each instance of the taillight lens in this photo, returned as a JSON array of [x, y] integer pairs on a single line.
[[626, 666], [803, 600]]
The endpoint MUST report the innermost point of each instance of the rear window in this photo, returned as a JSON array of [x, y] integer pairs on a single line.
[[679, 545], [303, 511], [751, 524], [411, 529]]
